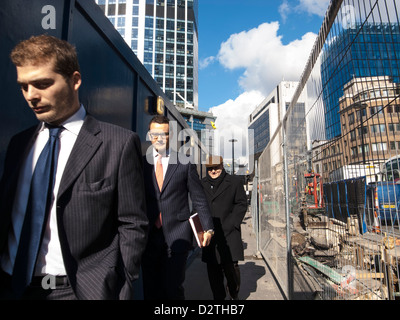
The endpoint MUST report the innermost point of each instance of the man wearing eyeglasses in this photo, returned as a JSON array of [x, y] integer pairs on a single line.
[[228, 202], [168, 185]]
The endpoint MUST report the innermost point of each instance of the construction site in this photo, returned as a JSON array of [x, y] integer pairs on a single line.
[[328, 188], [345, 263]]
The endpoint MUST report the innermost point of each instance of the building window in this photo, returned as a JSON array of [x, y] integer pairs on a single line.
[[379, 147], [111, 9], [394, 127], [121, 22], [378, 128], [366, 149], [363, 130], [352, 135], [361, 113], [134, 45], [351, 118], [391, 109], [121, 9], [376, 110]]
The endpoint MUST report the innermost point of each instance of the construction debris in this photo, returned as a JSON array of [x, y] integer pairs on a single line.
[[354, 266]]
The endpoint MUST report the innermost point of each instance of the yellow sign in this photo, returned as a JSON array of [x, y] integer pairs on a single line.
[[160, 105], [213, 125], [389, 206]]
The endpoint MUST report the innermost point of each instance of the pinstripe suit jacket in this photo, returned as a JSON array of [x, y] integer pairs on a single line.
[[101, 216], [180, 182]]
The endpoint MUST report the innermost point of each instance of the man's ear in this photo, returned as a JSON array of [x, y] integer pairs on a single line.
[[76, 80]]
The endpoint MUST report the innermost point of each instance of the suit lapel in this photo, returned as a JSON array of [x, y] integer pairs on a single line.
[[208, 190], [168, 175], [29, 140], [87, 143]]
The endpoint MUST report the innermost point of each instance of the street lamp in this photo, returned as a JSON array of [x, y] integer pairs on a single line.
[[233, 155]]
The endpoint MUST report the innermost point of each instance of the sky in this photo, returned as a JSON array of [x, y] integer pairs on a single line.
[[246, 47]]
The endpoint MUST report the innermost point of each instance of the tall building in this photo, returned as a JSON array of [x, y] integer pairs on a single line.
[[164, 36], [264, 120], [363, 50]]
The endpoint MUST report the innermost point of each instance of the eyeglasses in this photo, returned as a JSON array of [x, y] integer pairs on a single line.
[[156, 135]]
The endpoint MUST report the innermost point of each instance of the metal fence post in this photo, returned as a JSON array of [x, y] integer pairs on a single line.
[[287, 212], [257, 218]]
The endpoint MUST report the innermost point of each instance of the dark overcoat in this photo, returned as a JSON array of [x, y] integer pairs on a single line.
[[228, 205]]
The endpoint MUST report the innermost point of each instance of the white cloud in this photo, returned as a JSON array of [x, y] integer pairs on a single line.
[[265, 59], [317, 7], [232, 120], [284, 10], [204, 63], [313, 7]]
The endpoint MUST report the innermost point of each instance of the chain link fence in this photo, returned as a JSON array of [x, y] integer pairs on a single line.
[[328, 180]]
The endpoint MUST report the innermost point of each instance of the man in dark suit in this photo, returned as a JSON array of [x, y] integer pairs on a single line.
[[169, 182], [227, 198], [95, 230]]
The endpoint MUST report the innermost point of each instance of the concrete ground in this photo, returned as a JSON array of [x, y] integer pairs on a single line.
[[257, 282]]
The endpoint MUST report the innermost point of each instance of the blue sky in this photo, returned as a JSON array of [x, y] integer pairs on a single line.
[[246, 47], [219, 19]]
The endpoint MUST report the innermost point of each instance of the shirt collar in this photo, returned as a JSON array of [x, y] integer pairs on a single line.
[[73, 123], [156, 154]]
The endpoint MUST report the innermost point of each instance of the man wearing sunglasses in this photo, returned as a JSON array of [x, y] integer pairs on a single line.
[[227, 199]]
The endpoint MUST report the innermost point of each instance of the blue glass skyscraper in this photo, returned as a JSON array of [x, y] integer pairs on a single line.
[[367, 50]]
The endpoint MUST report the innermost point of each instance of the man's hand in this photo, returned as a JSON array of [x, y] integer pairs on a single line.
[[206, 239]]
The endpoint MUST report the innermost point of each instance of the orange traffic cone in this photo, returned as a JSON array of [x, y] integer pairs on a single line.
[[376, 227]]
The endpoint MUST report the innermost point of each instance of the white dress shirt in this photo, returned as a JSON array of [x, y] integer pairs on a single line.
[[50, 259]]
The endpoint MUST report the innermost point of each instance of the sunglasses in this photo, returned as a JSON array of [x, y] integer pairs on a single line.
[[214, 168]]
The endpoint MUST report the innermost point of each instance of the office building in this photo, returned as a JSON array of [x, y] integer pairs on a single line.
[[164, 36], [363, 50], [369, 112], [264, 120]]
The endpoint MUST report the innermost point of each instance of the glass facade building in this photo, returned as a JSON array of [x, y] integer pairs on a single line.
[[263, 121], [164, 36], [260, 127], [362, 50]]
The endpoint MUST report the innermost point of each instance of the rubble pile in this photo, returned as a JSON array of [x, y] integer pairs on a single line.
[[347, 265]]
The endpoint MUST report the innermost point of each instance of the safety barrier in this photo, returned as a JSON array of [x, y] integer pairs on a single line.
[[328, 190]]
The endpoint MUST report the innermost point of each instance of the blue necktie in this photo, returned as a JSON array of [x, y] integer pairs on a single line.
[[36, 213]]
